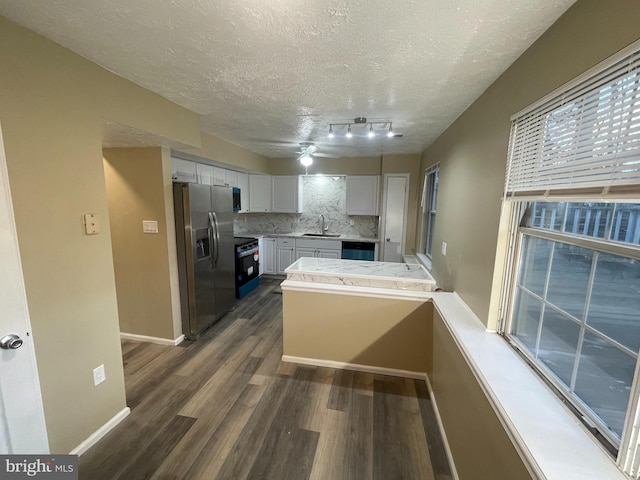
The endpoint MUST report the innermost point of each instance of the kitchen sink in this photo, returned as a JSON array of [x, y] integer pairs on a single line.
[[330, 235]]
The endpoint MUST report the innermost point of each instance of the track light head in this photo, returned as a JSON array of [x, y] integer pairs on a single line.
[[371, 134], [349, 134], [390, 132], [330, 131]]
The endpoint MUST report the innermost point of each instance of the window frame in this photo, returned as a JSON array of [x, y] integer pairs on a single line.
[[429, 208], [514, 261]]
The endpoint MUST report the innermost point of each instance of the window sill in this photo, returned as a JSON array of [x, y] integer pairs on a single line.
[[549, 439], [424, 260]]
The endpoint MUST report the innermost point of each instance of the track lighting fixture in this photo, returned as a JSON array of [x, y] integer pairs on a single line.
[[371, 133]]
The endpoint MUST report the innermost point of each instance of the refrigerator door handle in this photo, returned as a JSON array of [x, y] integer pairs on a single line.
[[217, 238], [214, 247]]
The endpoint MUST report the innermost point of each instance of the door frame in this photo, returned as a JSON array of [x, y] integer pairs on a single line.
[[22, 422], [383, 242]]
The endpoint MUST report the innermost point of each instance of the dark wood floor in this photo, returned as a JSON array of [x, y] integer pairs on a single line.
[[226, 407]]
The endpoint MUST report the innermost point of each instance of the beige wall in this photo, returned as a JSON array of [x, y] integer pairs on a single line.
[[135, 192], [52, 107], [219, 150], [472, 152], [480, 447], [378, 332]]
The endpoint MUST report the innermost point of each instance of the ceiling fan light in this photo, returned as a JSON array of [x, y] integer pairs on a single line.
[[349, 134], [306, 160], [371, 134]]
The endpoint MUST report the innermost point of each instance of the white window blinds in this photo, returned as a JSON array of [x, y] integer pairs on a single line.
[[584, 137]]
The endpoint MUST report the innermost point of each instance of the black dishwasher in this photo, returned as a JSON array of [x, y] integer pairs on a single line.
[[358, 251]]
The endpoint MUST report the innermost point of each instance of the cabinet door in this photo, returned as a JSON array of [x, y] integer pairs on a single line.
[[231, 178], [334, 254], [204, 173], [286, 194], [219, 176], [243, 185], [362, 194], [259, 193], [184, 170], [305, 252], [269, 256], [261, 253], [285, 258]]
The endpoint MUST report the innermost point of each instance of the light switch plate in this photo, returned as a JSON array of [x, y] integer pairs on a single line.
[[91, 225], [150, 226], [444, 249]]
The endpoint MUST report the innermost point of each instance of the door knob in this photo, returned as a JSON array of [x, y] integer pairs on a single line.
[[10, 342], [388, 239]]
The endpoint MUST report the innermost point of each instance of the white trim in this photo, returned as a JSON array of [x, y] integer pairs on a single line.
[[96, 436], [315, 362], [443, 434], [553, 445], [145, 338], [357, 367], [351, 290]]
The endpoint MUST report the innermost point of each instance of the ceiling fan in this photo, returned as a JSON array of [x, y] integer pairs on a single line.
[[308, 150]]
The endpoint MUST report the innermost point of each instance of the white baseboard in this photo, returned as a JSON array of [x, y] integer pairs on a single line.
[[101, 432], [447, 448], [158, 340], [316, 362]]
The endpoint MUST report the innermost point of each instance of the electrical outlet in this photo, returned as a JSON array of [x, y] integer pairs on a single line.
[[99, 375], [444, 249]]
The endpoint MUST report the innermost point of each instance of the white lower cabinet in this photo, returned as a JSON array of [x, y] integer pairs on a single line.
[[268, 256], [317, 248], [285, 253]]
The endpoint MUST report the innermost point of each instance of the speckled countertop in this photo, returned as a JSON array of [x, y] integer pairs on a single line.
[[396, 276]]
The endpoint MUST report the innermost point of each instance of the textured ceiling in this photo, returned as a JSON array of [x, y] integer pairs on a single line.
[[268, 74]]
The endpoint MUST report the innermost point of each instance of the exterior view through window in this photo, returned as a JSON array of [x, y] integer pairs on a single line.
[[577, 302]]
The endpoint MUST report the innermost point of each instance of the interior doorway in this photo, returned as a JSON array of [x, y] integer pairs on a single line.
[[394, 216], [22, 425]]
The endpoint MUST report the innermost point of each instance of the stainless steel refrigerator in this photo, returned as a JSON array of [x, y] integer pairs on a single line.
[[204, 237]]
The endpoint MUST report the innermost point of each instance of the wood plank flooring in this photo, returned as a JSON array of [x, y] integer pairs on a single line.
[[226, 407]]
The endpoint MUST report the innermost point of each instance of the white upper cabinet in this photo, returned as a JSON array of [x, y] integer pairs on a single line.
[[222, 176], [362, 194], [243, 185], [184, 171], [259, 193], [205, 173], [286, 193]]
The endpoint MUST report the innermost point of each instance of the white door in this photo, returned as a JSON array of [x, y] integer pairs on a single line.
[[22, 426], [396, 189]]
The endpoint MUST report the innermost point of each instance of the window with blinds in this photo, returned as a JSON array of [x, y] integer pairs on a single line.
[[571, 292], [583, 138]]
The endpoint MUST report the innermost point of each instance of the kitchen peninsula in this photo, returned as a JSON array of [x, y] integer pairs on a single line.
[[371, 316]]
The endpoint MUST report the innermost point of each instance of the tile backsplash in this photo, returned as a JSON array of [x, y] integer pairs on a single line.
[[324, 195]]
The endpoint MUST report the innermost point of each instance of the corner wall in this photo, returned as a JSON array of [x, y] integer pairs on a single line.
[[473, 151], [135, 192]]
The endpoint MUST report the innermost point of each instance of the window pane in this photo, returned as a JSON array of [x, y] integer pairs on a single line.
[[570, 269], [527, 319], [588, 219], [548, 215], [626, 223], [535, 262], [434, 195], [558, 342], [604, 380], [614, 308]]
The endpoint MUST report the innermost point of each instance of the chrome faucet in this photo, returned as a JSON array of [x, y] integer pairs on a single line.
[[322, 229]]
